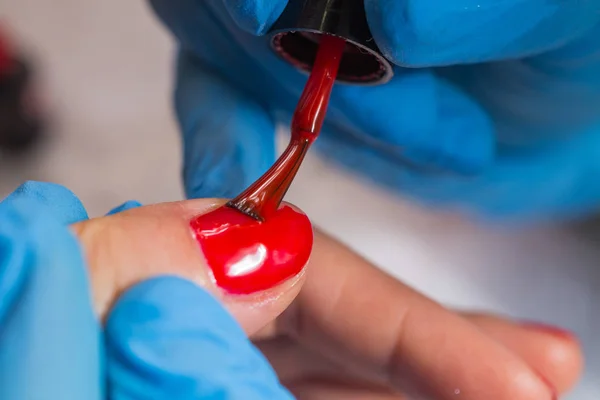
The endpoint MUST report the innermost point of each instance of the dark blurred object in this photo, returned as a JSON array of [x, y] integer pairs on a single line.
[[20, 121]]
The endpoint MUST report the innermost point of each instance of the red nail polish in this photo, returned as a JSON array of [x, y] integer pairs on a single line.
[[246, 255], [550, 330], [252, 244]]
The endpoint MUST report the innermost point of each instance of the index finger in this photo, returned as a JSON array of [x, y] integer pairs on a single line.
[[367, 320], [127, 248]]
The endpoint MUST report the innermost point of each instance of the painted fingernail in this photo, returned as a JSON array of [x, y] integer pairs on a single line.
[[550, 330], [248, 256]]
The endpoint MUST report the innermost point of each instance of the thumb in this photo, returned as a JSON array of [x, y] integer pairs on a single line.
[[249, 269], [169, 339]]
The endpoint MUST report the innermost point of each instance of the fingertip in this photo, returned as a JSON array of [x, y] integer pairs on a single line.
[[26, 220], [562, 359], [567, 359], [257, 267], [59, 201], [422, 33], [555, 354], [433, 33], [255, 16], [159, 240]]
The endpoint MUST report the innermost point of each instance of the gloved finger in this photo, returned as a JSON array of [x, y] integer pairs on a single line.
[[209, 38], [416, 118], [421, 33], [57, 200], [228, 138], [169, 339], [127, 248], [550, 95], [520, 187], [255, 16], [128, 205], [50, 341]]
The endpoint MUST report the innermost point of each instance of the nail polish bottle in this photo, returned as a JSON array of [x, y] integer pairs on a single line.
[[295, 37]]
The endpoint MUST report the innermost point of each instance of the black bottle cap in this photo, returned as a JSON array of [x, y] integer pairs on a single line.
[[295, 38]]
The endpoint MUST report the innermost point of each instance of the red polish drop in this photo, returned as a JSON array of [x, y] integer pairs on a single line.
[[248, 256]]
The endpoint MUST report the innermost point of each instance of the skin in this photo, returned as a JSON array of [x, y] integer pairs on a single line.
[[342, 329]]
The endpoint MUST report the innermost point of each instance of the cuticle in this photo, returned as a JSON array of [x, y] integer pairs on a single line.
[[209, 208], [264, 297]]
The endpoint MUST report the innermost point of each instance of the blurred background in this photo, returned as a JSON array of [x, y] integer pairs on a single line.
[[103, 72]]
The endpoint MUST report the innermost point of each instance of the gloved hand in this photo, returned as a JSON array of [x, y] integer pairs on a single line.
[[156, 346], [501, 117]]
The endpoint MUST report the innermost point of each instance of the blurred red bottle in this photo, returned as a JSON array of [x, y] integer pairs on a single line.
[[20, 120]]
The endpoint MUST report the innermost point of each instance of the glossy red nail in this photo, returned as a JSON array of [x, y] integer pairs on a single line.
[[248, 256], [550, 330]]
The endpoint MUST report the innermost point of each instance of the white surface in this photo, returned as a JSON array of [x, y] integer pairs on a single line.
[[107, 65]]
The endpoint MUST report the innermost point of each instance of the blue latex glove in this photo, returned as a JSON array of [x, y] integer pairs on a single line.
[[516, 139], [164, 339]]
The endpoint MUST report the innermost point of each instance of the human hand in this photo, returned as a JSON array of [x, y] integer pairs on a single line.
[[165, 337], [356, 333], [353, 330], [501, 118], [349, 320]]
